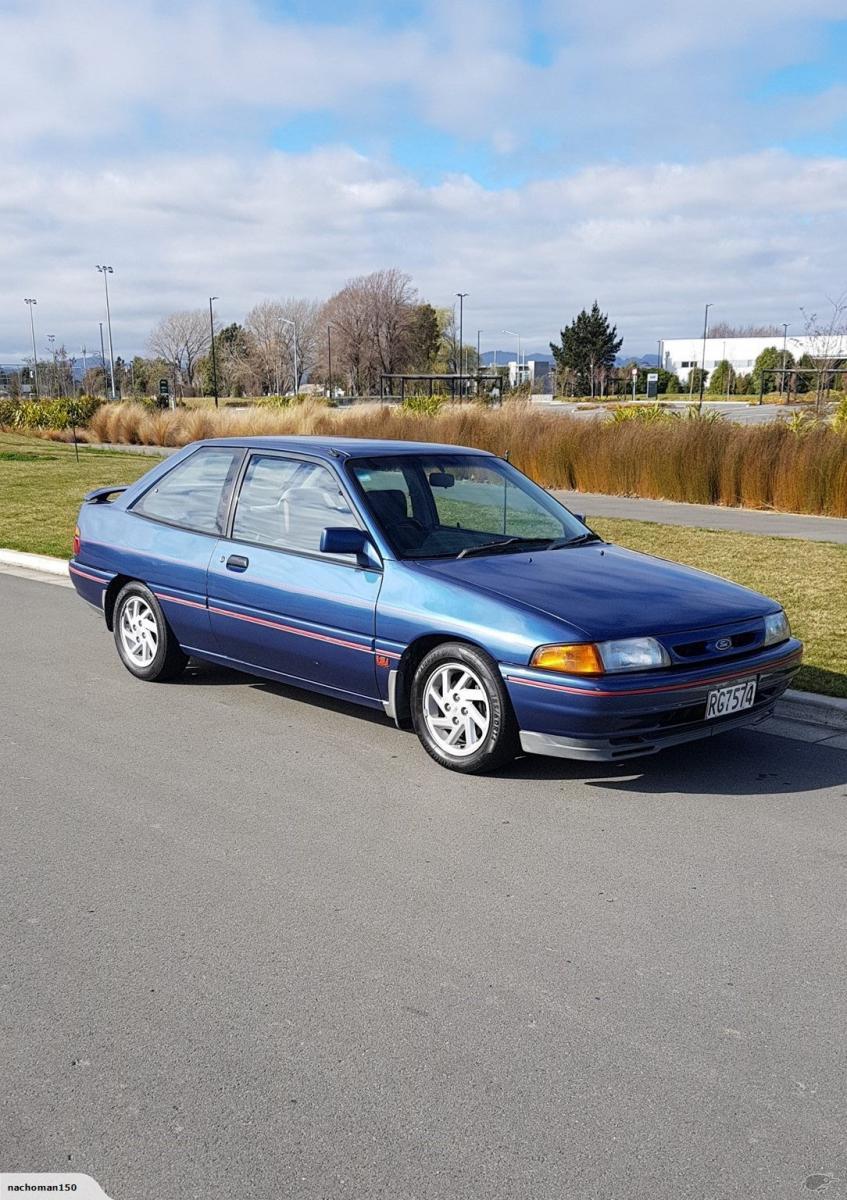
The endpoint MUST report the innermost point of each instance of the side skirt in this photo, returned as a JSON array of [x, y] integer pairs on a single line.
[[307, 685]]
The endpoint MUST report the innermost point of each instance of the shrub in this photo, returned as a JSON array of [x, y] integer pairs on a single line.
[[839, 421], [8, 408], [642, 412], [273, 402], [49, 413], [427, 405]]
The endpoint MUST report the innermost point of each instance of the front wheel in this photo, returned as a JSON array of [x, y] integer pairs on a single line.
[[145, 641], [461, 711]]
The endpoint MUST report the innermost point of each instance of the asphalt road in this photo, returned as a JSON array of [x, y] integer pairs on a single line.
[[257, 944], [741, 412], [707, 516]]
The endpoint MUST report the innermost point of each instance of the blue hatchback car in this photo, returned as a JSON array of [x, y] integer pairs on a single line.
[[435, 582]]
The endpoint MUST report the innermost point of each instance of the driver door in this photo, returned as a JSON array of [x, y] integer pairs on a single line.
[[276, 602]]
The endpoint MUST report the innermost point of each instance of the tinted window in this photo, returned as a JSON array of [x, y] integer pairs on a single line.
[[287, 503], [193, 494]]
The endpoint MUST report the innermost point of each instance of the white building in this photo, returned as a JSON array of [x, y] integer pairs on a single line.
[[532, 371], [679, 355]]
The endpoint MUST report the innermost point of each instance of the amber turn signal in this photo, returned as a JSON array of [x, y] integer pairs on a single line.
[[581, 658]]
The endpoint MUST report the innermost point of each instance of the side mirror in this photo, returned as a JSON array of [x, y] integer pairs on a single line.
[[344, 540], [580, 517]]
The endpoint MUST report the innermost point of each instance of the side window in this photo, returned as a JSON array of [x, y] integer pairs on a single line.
[[286, 503], [193, 494]]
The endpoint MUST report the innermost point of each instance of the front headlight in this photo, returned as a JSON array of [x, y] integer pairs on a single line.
[[588, 658], [777, 628], [633, 654]]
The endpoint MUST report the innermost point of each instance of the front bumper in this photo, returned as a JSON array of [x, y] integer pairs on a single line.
[[629, 716]]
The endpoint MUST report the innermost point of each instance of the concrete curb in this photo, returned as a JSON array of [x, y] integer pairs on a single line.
[[40, 563], [813, 709], [808, 707]]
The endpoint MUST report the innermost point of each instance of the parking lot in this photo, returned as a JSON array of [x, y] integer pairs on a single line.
[[256, 943]]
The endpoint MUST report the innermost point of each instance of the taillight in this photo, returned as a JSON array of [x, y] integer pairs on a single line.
[[76, 542]]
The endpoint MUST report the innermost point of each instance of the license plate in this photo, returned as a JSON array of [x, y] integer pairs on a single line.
[[722, 702]]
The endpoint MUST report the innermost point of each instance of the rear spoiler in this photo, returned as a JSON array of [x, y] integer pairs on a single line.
[[101, 495]]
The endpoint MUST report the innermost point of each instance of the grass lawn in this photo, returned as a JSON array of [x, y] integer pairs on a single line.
[[41, 487]]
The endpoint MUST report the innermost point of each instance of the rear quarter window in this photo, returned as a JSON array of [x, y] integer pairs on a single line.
[[194, 494]]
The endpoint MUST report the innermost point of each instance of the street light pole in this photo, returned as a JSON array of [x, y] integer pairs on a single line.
[[703, 363], [784, 355], [106, 272], [214, 361], [518, 376], [51, 338], [29, 301], [102, 356], [461, 296]]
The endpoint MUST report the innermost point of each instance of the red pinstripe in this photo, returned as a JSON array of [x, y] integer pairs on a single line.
[[318, 637], [178, 600], [85, 575], [675, 687], [306, 633]]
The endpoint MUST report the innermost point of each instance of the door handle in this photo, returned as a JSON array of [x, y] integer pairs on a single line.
[[237, 562]]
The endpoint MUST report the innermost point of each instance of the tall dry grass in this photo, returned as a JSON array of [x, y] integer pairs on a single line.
[[699, 461]]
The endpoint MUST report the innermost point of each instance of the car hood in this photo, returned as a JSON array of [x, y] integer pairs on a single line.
[[606, 591]]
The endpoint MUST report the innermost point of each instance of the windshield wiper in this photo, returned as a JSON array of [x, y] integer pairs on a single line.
[[502, 546], [580, 540]]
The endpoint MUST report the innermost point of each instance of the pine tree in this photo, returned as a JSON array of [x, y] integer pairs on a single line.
[[589, 346]]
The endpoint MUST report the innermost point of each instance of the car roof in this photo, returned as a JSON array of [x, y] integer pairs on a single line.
[[347, 447]]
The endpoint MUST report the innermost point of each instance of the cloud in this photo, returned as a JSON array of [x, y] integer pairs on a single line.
[[757, 235], [616, 150], [100, 77]]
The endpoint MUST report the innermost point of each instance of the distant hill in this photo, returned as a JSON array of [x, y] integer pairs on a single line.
[[646, 360], [501, 357]]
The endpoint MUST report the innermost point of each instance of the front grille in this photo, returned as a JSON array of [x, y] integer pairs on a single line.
[[700, 649], [725, 643]]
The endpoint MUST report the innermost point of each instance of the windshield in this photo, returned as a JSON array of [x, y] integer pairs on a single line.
[[447, 505]]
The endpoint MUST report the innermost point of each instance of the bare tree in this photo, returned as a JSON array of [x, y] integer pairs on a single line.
[[274, 327], [347, 313], [724, 329], [302, 320], [263, 325], [827, 348], [391, 298], [181, 339], [373, 324]]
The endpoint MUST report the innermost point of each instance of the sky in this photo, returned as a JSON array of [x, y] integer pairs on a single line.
[[536, 154]]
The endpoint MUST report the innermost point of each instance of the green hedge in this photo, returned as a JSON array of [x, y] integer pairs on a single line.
[[48, 414]]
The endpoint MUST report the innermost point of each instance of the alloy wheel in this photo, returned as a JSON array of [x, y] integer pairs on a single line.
[[139, 631], [456, 710]]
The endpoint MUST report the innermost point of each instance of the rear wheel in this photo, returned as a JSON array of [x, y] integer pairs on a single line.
[[461, 711], [145, 641]]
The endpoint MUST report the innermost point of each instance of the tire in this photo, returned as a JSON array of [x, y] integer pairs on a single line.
[[461, 710], [145, 641]]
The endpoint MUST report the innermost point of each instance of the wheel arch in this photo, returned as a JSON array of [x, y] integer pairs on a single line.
[[412, 656], [110, 596]]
